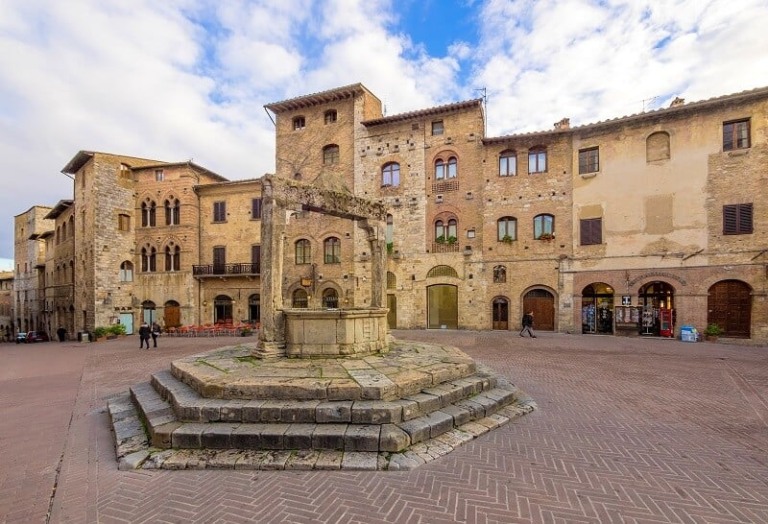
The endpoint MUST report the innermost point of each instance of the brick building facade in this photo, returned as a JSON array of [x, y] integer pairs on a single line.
[[633, 226]]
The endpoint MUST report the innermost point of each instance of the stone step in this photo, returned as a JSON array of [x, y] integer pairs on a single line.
[[189, 406], [432, 420]]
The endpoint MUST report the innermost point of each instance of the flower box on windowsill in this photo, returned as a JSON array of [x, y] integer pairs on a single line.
[[547, 237]]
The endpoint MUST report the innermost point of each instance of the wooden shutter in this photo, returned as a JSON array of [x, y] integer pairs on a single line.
[[591, 231], [256, 208], [737, 219]]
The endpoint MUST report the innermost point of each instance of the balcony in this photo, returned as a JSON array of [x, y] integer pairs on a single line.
[[226, 270], [438, 247]]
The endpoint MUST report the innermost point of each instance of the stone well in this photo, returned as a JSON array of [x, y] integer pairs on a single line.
[[330, 333]]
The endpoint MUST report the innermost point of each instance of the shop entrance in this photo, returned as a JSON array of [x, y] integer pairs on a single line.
[[658, 316], [442, 307], [597, 309]]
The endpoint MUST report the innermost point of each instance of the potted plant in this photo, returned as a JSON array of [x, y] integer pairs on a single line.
[[100, 333], [507, 239], [440, 239], [547, 236], [452, 240], [712, 332]]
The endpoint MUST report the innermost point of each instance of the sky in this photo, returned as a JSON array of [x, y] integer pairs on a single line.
[[188, 79]]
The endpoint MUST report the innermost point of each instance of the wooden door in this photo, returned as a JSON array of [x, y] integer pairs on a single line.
[[729, 305], [500, 313], [172, 317], [542, 303]]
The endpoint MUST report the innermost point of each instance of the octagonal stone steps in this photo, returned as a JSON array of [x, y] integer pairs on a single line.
[[176, 416]]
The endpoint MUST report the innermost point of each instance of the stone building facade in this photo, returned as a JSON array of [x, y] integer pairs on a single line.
[[6, 306], [29, 281], [638, 225]]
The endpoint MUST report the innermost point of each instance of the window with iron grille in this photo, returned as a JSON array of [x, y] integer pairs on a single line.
[[219, 211], [589, 160], [737, 219], [591, 230], [736, 135]]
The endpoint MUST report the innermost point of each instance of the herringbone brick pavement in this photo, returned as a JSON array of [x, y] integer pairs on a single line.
[[627, 430]]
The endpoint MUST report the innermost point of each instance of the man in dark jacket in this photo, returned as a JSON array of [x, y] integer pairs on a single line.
[[143, 335], [528, 324]]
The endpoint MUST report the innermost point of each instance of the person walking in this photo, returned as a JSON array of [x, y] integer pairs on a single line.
[[155, 333], [143, 335], [528, 324]]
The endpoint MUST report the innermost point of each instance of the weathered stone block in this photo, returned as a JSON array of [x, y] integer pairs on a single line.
[[271, 436], [418, 429], [461, 415], [362, 437], [329, 436], [393, 439], [188, 435], [338, 411], [376, 412], [217, 436], [298, 436]]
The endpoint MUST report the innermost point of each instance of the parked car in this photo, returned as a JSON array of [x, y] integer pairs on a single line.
[[37, 336], [21, 337]]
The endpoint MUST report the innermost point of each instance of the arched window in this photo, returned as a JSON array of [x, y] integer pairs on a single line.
[[330, 298], [506, 229], [543, 227], [442, 271], [332, 250], [303, 251], [299, 299], [331, 154], [148, 259], [439, 231], [391, 280], [172, 212], [172, 258], [452, 168], [657, 147], [222, 309], [439, 169], [390, 174], [537, 159], [126, 272], [507, 163], [453, 229], [148, 212], [64, 231], [499, 274]]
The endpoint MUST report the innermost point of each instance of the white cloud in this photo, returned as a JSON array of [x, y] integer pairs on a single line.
[[184, 79]]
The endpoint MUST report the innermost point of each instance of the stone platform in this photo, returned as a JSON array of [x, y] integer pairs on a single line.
[[396, 410]]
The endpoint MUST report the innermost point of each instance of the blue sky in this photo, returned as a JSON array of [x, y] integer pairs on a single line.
[[182, 79]]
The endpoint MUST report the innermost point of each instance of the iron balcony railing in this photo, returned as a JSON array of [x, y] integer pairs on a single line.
[[216, 270], [445, 248]]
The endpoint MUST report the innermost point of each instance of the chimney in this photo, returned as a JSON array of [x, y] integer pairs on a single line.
[[677, 102], [563, 124]]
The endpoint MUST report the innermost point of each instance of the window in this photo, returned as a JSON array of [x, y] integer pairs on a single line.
[[256, 208], [303, 251], [330, 298], [589, 160], [298, 123], [330, 116], [736, 135], [148, 214], [331, 154], [657, 147], [256, 259], [219, 260], [148, 259], [123, 222], [446, 231], [737, 219], [439, 230], [446, 170], [437, 128], [537, 160], [543, 227], [172, 258], [300, 299], [507, 163], [506, 229], [499, 274], [172, 212], [219, 211], [332, 250], [126, 272], [390, 174], [159, 175], [591, 231]]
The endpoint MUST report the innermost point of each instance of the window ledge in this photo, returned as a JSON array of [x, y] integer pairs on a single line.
[[588, 175], [738, 152]]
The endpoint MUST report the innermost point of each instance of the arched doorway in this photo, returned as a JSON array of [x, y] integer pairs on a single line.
[[222, 309], [254, 308], [729, 305], [148, 313], [597, 309], [442, 307], [542, 303], [172, 315], [658, 301], [500, 313], [330, 298]]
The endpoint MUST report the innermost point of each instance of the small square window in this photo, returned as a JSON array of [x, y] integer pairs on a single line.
[[330, 116], [159, 175], [299, 123], [437, 128], [589, 160], [736, 135]]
